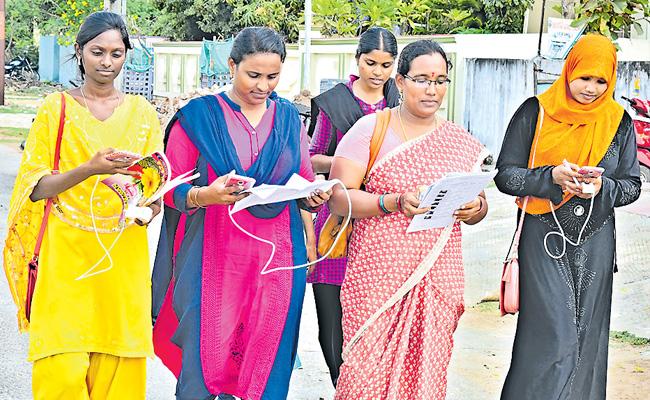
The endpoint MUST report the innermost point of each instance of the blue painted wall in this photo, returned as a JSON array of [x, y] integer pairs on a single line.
[[54, 64]]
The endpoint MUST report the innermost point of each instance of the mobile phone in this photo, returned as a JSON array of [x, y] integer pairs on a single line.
[[237, 180], [123, 156], [591, 172]]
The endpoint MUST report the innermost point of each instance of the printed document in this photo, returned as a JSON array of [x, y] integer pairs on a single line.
[[445, 196], [296, 188]]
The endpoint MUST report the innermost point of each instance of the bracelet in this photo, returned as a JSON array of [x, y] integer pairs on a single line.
[[196, 197], [398, 202], [381, 204]]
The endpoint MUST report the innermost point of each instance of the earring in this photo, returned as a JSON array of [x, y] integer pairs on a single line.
[[401, 96]]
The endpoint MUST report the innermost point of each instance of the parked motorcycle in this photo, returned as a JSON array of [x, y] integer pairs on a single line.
[[20, 69], [642, 129]]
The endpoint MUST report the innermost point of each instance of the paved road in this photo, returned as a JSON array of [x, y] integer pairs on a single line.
[[483, 341], [16, 120]]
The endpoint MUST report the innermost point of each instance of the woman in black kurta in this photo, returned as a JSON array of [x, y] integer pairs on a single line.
[[561, 344]]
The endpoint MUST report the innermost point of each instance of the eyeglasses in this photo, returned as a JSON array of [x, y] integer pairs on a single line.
[[425, 83]]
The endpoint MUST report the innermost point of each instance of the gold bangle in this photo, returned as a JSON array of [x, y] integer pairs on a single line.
[[196, 197]]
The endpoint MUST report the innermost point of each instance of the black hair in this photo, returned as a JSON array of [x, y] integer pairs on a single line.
[[97, 23], [416, 49], [377, 38], [254, 40]]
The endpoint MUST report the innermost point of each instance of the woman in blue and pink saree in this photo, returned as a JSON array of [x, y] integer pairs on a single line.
[[221, 326]]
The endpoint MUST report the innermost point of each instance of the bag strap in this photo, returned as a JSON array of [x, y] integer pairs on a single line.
[[416, 276], [378, 135], [55, 171], [514, 247]]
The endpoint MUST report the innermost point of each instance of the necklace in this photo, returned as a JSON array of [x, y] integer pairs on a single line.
[[81, 89], [401, 124], [399, 116]]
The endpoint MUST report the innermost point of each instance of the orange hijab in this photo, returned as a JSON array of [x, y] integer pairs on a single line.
[[579, 133]]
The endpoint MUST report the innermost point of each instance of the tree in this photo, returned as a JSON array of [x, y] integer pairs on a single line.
[[415, 17], [506, 16], [64, 17], [196, 19], [22, 18], [612, 19]]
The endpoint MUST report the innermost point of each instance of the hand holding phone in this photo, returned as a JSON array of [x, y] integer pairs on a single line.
[[591, 172], [245, 182], [123, 156]]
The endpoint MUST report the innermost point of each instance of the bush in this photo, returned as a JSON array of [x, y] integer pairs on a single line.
[[506, 16]]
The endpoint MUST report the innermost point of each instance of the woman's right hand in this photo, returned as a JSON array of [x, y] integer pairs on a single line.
[[409, 203], [218, 193], [564, 175], [99, 165]]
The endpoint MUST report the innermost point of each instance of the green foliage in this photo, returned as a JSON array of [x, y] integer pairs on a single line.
[[506, 16], [382, 13], [612, 18], [455, 16], [281, 15], [66, 16], [197, 19], [142, 17], [22, 17], [336, 17], [629, 338], [416, 17]]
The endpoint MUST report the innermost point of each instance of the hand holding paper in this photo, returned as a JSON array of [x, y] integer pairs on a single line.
[[446, 196]]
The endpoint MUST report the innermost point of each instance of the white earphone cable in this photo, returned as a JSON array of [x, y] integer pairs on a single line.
[[107, 251], [566, 240], [273, 247]]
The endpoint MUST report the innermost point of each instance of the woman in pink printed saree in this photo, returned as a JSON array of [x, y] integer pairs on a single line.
[[402, 295]]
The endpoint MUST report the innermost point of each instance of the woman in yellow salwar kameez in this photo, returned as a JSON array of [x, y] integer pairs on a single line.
[[89, 337]]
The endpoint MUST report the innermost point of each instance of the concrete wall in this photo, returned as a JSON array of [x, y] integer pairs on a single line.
[[48, 60], [494, 89], [177, 63], [54, 62], [68, 69]]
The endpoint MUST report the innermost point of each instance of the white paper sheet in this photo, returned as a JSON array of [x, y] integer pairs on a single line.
[[446, 196], [296, 188]]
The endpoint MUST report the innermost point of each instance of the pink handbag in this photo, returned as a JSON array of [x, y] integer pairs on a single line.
[[509, 293]]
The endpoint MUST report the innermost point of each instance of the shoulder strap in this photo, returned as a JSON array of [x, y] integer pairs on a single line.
[[515, 241], [416, 276], [378, 135], [340, 106], [55, 170]]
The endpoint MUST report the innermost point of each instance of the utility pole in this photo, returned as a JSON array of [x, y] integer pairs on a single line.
[[306, 61], [116, 6], [2, 51]]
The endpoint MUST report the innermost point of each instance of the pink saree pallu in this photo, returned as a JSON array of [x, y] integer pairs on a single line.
[[402, 295]]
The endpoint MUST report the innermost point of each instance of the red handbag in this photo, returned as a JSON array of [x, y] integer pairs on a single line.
[[509, 293], [33, 264]]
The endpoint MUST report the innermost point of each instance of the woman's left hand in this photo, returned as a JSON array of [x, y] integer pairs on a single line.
[[469, 210], [312, 254], [317, 198], [598, 184], [155, 208]]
